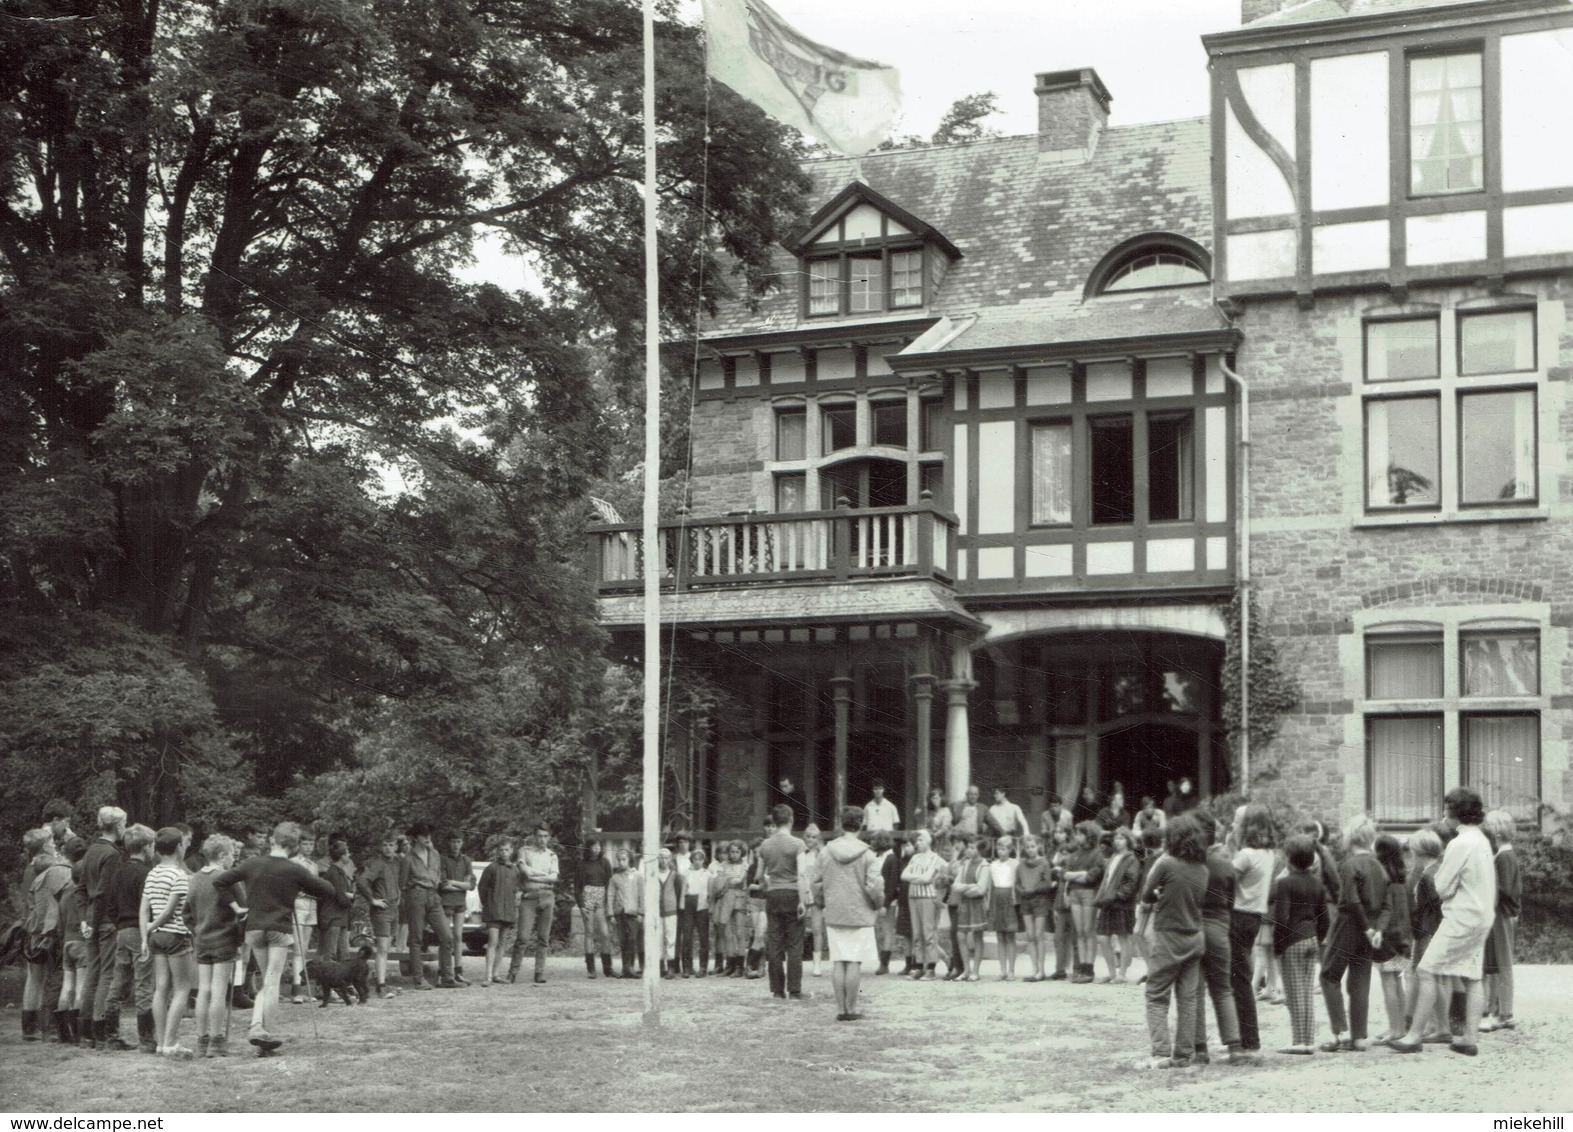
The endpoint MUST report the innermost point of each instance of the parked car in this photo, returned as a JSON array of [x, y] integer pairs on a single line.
[[473, 932]]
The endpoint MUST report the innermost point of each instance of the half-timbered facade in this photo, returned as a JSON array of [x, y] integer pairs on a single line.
[[966, 491]]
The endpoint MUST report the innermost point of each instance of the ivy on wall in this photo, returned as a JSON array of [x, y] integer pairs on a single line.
[[1274, 690]]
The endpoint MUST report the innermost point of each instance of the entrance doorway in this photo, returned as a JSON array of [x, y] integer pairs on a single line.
[[1145, 758]]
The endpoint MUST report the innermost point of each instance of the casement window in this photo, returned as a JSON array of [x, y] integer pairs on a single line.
[[1412, 704], [837, 427], [889, 423], [1168, 451], [791, 433], [791, 492], [930, 415], [1052, 473], [865, 282], [1404, 767], [1501, 760], [1446, 124], [1449, 437]]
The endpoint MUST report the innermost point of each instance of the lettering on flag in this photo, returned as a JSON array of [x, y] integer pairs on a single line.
[[848, 103]]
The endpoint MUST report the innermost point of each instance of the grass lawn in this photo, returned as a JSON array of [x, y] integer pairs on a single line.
[[726, 1045]]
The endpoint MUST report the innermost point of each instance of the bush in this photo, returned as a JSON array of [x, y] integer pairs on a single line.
[[1545, 925]]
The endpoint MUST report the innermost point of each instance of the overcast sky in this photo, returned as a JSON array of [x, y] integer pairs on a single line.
[[1147, 52]]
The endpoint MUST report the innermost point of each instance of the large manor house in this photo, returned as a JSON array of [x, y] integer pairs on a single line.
[[974, 488]]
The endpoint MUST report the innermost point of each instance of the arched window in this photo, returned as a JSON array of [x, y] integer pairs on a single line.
[[1156, 269], [1149, 262]]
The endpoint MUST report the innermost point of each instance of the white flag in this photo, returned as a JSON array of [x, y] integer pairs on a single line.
[[847, 103]]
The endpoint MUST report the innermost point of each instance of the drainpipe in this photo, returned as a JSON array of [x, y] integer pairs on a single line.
[[1244, 572]]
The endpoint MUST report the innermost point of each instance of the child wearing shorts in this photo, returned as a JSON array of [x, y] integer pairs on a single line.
[[217, 927], [73, 953], [166, 936]]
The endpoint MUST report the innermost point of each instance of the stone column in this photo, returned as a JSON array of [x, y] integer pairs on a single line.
[[841, 696], [923, 711], [958, 738]]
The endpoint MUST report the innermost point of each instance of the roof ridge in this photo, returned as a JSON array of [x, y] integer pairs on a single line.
[[927, 146]]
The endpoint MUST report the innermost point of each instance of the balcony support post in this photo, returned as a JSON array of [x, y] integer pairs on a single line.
[[841, 696], [958, 731], [923, 712]]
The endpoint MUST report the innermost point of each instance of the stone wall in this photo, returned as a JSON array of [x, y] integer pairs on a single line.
[[1323, 569]]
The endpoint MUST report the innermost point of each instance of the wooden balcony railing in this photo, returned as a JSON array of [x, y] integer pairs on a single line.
[[753, 548]]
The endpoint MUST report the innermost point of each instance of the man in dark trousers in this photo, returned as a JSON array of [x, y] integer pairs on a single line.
[[421, 883], [272, 883], [98, 869], [787, 897]]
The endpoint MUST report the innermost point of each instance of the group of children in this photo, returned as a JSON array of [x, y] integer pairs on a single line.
[[1331, 918], [134, 918]]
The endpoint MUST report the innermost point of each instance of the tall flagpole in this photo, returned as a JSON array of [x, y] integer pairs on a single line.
[[653, 558]]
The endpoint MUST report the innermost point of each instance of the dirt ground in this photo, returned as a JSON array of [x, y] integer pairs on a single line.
[[725, 1045]]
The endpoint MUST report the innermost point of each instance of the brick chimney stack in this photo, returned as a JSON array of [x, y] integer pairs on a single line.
[[1073, 109]]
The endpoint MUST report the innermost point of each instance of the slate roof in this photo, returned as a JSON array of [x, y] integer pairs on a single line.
[[878, 600], [1313, 10], [1030, 231]]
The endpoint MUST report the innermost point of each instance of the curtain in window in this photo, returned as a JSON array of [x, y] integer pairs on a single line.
[[1403, 669], [1403, 452], [1406, 768], [1497, 343], [1501, 664], [1051, 473], [1498, 455], [1502, 761], [791, 427]]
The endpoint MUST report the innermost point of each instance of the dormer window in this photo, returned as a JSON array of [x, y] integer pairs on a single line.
[[865, 282], [863, 255], [1149, 262], [1157, 269]]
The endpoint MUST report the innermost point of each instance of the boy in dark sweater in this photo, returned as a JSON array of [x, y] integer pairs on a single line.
[[98, 922], [378, 882], [1176, 888], [272, 883], [131, 976], [1299, 918], [1362, 902], [1217, 909]]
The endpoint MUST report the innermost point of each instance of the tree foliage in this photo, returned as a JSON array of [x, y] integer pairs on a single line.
[[962, 122], [265, 442]]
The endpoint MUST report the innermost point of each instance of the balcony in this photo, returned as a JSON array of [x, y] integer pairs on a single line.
[[759, 548]]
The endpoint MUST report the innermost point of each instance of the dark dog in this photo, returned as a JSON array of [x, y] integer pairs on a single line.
[[342, 976]]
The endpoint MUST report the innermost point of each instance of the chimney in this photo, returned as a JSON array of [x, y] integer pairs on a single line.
[[1073, 108]]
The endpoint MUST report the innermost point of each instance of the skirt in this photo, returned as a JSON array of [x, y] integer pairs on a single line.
[[1456, 950], [852, 945], [1002, 912], [1116, 919], [1397, 965], [972, 915]]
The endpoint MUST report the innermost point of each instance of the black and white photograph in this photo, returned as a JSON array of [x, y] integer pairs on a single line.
[[710, 556]]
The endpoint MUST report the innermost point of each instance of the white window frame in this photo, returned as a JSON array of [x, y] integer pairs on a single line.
[[1449, 387], [1451, 623]]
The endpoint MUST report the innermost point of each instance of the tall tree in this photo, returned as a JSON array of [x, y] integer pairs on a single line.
[[256, 416]]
